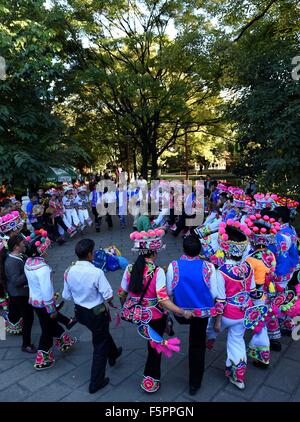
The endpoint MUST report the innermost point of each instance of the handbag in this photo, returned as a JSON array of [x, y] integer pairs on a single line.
[[132, 312]]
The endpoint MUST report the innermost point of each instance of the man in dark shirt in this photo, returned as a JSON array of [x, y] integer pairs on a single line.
[[20, 316]]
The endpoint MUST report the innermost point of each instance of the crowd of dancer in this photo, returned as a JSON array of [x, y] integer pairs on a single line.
[[239, 271]]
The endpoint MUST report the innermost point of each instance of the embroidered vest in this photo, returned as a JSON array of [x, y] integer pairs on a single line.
[[190, 290], [237, 287]]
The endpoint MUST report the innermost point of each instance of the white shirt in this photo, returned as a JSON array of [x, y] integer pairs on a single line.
[[86, 285], [38, 275]]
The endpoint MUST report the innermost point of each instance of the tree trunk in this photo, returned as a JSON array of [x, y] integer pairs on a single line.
[[154, 164], [134, 164], [145, 156]]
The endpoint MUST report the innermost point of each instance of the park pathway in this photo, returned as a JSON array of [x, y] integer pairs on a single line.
[[68, 380]]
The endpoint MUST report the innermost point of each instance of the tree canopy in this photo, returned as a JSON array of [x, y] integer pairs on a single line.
[[94, 81]]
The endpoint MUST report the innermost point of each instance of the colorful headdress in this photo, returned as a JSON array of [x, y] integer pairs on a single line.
[[233, 190], [233, 247], [11, 221], [264, 201], [145, 242], [68, 188], [52, 192], [239, 200], [292, 205], [263, 229], [250, 206], [222, 188], [39, 239]]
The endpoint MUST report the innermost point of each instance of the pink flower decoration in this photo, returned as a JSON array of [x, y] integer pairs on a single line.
[[255, 229]]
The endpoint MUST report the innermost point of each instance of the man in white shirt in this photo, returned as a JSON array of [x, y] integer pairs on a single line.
[[88, 287]]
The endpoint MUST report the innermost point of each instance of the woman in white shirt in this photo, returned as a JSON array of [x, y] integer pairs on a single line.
[[41, 297]]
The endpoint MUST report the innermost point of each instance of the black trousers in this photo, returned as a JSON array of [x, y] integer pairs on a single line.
[[98, 218], [59, 221], [50, 329], [197, 348], [182, 223], [19, 307], [104, 345], [152, 367]]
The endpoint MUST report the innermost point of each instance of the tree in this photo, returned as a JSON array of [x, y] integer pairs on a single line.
[[32, 136], [265, 100], [139, 83]]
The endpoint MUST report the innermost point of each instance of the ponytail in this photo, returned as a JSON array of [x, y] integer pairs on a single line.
[[137, 275]]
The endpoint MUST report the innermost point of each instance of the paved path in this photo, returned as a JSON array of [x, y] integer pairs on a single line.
[[68, 379]]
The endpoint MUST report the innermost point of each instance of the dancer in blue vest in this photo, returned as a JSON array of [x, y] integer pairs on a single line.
[[192, 283]]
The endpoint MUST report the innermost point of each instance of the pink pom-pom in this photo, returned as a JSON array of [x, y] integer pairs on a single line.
[[250, 224], [28, 238], [255, 229], [247, 232], [222, 231], [263, 230], [15, 213], [252, 217], [38, 243], [160, 232], [223, 224], [272, 220], [132, 236], [230, 222], [236, 224], [225, 236], [156, 232], [258, 216], [266, 217], [44, 233], [151, 233], [138, 236]]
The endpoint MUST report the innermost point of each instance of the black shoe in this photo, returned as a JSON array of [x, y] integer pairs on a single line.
[[58, 307], [286, 332], [275, 345], [29, 349], [103, 384], [193, 390], [98, 230], [112, 361], [71, 323], [260, 364]]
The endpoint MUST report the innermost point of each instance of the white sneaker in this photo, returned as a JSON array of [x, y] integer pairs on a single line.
[[238, 384]]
